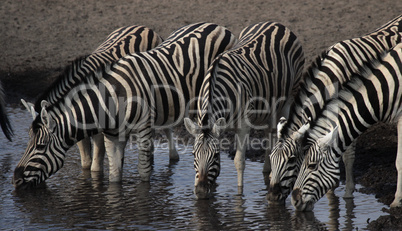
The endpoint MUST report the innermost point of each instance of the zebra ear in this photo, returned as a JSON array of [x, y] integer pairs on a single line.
[[44, 103], [219, 127], [328, 139], [30, 107], [279, 127], [192, 127], [302, 130], [46, 120]]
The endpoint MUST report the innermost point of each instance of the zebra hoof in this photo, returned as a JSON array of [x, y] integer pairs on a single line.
[[173, 155], [396, 203]]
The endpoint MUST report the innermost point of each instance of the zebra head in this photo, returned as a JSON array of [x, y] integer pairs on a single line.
[[42, 157], [286, 158], [206, 153], [319, 173]]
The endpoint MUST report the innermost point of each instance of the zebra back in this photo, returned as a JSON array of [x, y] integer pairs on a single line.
[[119, 43], [124, 41], [266, 63]]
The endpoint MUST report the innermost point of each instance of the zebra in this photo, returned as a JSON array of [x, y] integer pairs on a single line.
[[266, 65], [122, 41], [372, 96], [322, 81], [137, 94], [5, 123]]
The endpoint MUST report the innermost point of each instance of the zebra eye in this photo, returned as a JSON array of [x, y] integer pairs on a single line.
[[312, 166], [40, 147], [292, 159]]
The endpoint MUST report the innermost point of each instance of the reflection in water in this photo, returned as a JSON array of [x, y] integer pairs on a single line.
[[306, 221], [350, 216], [333, 205], [206, 216], [77, 199]]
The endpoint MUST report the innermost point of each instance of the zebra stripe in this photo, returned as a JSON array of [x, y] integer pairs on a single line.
[[265, 65], [322, 82], [4, 121], [374, 95], [137, 94], [119, 43]]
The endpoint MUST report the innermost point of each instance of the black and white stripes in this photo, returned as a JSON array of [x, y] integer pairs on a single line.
[[119, 43], [322, 82], [244, 88], [374, 95], [4, 121], [137, 94]]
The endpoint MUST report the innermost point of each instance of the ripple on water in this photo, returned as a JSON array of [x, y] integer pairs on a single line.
[[76, 199]]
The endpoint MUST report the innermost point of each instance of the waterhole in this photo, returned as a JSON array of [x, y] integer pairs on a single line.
[[77, 199]]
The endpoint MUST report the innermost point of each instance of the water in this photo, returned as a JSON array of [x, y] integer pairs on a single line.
[[76, 199]]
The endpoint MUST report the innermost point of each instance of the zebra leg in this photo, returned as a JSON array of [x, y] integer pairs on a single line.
[[240, 156], [348, 158], [173, 155], [145, 146], [84, 147], [115, 152], [267, 162], [398, 163], [98, 156]]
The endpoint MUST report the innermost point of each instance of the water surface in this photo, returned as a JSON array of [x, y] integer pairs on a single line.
[[77, 199]]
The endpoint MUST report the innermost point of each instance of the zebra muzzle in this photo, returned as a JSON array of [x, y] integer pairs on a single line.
[[202, 190], [297, 198], [275, 194], [299, 203]]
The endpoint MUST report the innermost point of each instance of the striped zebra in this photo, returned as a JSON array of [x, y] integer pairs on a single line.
[[322, 81], [119, 43], [243, 89], [4, 121], [137, 94], [372, 96]]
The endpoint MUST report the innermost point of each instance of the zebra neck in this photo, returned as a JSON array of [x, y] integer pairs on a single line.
[[70, 128], [71, 76], [373, 96], [84, 111], [212, 104]]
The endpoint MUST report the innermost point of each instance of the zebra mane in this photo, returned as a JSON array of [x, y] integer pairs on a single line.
[[392, 22], [206, 94], [64, 82], [325, 122], [308, 78]]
